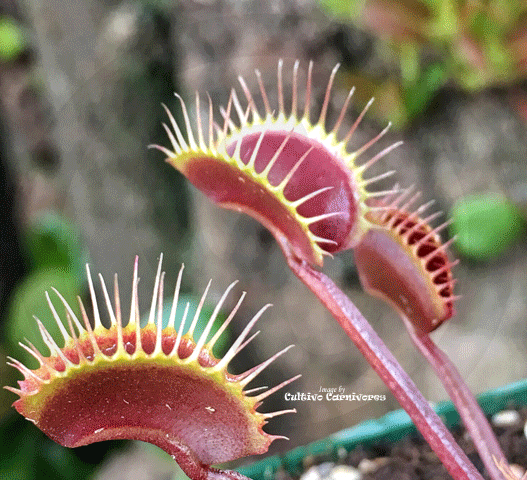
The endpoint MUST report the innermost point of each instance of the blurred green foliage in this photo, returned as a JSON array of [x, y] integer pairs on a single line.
[[52, 241], [55, 257], [486, 225], [29, 301], [27, 454], [12, 39], [429, 43]]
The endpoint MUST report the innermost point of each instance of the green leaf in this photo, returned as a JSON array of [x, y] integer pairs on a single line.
[[52, 241], [418, 95], [27, 454], [482, 26], [17, 448], [485, 225], [343, 8], [12, 39], [55, 462]]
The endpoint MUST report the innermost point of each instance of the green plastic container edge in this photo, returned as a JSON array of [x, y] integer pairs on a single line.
[[391, 427]]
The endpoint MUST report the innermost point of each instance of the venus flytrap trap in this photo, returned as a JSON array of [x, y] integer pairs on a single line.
[[153, 384], [293, 176], [300, 181], [403, 261]]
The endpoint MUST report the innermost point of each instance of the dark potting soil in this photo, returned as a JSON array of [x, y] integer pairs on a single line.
[[412, 458]]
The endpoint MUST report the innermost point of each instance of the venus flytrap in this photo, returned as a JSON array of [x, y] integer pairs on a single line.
[[300, 181], [291, 175], [403, 261], [152, 384]]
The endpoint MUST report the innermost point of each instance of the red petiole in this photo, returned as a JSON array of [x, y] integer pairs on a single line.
[[386, 366], [473, 417]]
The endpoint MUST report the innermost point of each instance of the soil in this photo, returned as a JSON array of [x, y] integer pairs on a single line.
[[412, 458]]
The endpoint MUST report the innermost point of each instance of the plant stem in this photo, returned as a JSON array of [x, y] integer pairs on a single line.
[[215, 474], [474, 419], [386, 366], [193, 468]]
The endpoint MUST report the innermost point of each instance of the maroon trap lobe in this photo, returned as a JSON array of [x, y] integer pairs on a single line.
[[403, 261], [296, 178], [154, 384]]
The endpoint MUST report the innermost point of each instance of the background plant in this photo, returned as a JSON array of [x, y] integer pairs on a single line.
[[474, 45]]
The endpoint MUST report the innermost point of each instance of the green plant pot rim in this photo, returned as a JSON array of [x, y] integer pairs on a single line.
[[391, 427]]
